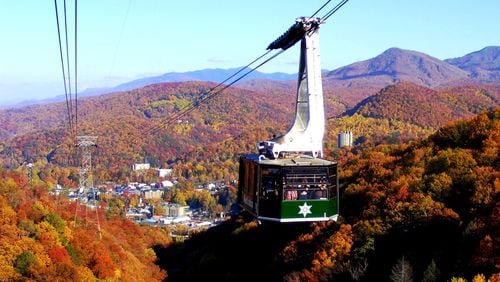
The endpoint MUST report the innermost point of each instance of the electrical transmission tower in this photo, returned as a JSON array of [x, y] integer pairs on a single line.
[[86, 144]]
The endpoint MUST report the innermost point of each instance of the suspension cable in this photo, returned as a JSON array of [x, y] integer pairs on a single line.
[[76, 69], [212, 93], [67, 62], [332, 11], [321, 8], [71, 109], [208, 95], [68, 108]]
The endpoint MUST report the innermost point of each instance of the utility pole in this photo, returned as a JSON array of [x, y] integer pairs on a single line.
[[86, 144]]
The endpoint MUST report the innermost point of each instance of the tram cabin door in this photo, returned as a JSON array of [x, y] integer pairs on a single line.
[[271, 192]]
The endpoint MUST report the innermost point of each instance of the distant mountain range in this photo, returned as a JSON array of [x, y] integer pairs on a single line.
[[483, 65], [395, 65], [212, 75], [392, 66]]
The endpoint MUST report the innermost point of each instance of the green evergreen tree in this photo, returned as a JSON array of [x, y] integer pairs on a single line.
[[431, 273], [24, 261]]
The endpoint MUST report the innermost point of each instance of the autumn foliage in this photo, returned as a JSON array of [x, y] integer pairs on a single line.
[[135, 126], [413, 186], [426, 209], [40, 241]]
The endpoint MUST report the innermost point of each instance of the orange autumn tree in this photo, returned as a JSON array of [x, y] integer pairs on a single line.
[[40, 243]]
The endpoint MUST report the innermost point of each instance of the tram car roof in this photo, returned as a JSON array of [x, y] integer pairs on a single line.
[[296, 160]]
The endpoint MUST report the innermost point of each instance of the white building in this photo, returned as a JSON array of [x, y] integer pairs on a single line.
[[152, 193], [165, 172], [140, 166], [167, 184], [345, 139]]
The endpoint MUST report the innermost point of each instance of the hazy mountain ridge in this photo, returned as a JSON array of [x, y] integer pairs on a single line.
[[213, 75], [482, 65], [345, 87], [392, 66], [262, 106]]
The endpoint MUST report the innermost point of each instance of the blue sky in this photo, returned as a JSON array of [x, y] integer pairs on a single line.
[[123, 40]]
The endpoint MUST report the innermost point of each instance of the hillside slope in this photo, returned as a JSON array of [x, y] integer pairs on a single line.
[[423, 106], [134, 126]]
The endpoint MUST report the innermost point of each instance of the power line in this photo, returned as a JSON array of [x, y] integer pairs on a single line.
[[70, 81], [120, 35]]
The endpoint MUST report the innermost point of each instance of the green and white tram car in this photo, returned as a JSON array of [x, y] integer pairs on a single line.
[[299, 189]]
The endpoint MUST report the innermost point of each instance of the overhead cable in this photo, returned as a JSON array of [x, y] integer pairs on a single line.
[[321, 8], [63, 68], [209, 94], [213, 92], [332, 11], [76, 69], [68, 62]]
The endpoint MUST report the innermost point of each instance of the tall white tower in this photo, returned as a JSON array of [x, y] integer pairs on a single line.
[[305, 135]]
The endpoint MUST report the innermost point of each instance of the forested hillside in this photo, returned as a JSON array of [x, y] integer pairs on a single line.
[[135, 126], [132, 127], [425, 107], [43, 239], [427, 211]]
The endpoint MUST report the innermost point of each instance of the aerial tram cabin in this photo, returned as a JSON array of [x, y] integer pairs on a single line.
[[287, 181], [289, 190]]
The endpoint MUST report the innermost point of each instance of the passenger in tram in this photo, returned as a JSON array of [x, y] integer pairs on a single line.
[[291, 195], [303, 195], [318, 194]]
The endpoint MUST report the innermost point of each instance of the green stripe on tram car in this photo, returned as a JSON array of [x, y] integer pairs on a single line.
[[304, 209]]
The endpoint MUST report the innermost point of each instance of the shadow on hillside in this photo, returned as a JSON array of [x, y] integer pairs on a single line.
[[235, 250]]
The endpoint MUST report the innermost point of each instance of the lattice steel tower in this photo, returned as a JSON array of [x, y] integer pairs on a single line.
[[86, 144]]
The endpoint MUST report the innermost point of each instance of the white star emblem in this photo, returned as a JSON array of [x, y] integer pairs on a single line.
[[305, 209]]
